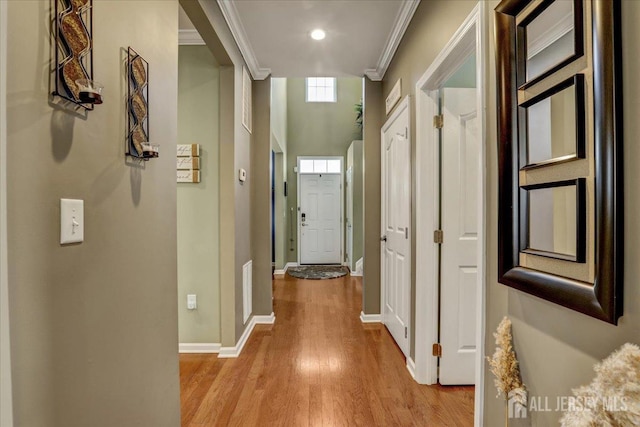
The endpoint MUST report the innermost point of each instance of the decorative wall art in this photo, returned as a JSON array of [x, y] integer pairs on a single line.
[[560, 198], [138, 144], [74, 53], [188, 163]]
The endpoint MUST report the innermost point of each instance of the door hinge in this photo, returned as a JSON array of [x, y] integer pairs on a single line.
[[438, 237], [437, 350], [438, 121], [405, 332]]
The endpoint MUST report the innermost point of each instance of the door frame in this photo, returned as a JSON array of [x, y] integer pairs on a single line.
[[342, 213], [471, 35], [405, 104], [6, 407]]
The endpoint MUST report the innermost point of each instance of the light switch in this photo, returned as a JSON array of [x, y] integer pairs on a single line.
[[242, 175], [71, 221], [192, 302]]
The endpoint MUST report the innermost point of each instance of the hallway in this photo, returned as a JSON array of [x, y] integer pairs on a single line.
[[317, 365]]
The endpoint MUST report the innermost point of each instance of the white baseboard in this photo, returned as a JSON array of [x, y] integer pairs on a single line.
[[199, 348], [286, 267], [231, 352], [356, 273], [370, 318], [411, 367], [360, 266]]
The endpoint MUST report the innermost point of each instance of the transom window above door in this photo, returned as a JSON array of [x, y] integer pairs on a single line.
[[321, 89], [320, 166]]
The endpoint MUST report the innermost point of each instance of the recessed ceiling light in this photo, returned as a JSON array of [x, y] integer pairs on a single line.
[[318, 34]]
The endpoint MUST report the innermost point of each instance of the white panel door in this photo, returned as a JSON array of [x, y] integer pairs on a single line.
[[396, 218], [459, 252], [320, 222]]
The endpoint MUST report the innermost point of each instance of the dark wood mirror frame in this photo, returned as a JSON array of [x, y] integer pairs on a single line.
[[601, 299]]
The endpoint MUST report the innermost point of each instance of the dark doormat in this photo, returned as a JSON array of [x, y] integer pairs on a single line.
[[318, 272]]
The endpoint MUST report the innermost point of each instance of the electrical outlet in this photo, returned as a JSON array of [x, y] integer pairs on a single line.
[[192, 302]]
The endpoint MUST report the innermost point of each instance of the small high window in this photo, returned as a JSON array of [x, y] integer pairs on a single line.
[[321, 89]]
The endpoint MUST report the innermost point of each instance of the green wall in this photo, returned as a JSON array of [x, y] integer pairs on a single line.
[[317, 129], [198, 210]]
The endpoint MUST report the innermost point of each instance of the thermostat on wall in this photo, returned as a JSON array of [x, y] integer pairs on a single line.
[[242, 175]]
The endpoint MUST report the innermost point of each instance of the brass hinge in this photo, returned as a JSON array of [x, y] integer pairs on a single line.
[[438, 236], [405, 331], [438, 121], [437, 350]]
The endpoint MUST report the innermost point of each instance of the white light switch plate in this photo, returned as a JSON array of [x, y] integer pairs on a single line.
[[71, 221]]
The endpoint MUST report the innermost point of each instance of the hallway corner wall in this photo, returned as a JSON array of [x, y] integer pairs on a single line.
[[373, 120], [198, 204], [261, 198], [235, 154], [94, 325]]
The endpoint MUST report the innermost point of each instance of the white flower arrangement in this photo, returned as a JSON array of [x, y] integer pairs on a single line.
[[504, 365], [613, 397]]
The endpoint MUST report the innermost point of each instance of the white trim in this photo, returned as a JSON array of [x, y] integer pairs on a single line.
[[370, 318], [286, 267], [403, 18], [190, 38], [342, 201], [472, 35], [359, 267], [231, 352], [234, 22], [6, 406], [199, 348], [411, 367]]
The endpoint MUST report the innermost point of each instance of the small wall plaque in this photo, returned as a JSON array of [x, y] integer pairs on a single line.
[[188, 176], [394, 96]]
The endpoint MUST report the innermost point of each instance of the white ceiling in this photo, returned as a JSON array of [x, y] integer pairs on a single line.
[[273, 35]]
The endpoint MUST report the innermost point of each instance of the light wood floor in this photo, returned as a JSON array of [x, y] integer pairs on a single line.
[[317, 366]]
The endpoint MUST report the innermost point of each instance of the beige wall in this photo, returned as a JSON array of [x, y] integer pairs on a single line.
[[373, 120], [94, 326], [261, 198], [557, 347], [317, 129], [198, 204]]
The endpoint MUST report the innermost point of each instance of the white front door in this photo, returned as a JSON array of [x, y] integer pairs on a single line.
[[459, 252], [319, 219], [396, 218]]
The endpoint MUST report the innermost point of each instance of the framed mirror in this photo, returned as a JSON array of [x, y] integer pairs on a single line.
[[550, 37], [553, 217], [560, 199], [552, 125]]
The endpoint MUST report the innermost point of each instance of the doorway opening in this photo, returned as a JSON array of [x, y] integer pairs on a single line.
[[320, 207], [450, 189]]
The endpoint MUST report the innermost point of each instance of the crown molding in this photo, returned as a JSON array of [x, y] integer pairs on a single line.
[[230, 13], [400, 25], [190, 38]]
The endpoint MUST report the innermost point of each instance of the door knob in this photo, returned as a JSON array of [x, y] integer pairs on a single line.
[[383, 238]]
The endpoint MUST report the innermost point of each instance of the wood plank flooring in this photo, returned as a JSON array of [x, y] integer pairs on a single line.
[[317, 366]]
